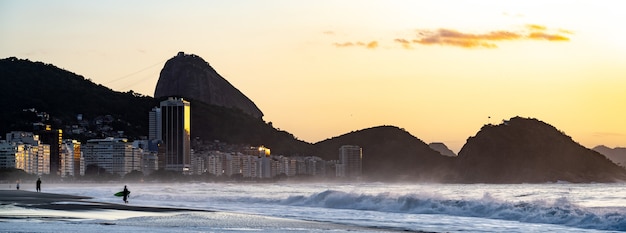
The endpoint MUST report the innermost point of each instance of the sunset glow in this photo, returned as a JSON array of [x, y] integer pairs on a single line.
[[318, 69]]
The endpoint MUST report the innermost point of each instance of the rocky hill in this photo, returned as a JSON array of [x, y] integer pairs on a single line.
[[617, 154], [391, 153], [529, 150], [189, 76], [442, 148]]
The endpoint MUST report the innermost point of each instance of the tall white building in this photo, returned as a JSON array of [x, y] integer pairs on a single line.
[[72, 162], [214, 163], [350, 161], [176, 134], [35, 158], [115, 155], [11, 155]]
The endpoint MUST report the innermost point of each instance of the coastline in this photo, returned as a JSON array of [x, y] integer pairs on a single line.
[[42, 209], [64, 202]]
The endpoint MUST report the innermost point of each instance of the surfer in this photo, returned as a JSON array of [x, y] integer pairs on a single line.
[[125, 194], [38, 185]]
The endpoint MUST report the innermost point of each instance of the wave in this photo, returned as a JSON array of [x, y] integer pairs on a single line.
[[559, 211]]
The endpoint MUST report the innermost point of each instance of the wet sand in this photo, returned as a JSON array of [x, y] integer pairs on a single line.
[[217, 220], [52, 201]]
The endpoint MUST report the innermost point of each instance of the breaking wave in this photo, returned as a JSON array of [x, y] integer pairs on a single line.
[[559, 211]]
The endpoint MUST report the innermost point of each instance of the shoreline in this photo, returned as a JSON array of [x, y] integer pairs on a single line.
[[81, 208], [64, 202]]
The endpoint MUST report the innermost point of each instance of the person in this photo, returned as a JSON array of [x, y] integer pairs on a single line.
[[17, 185], [38, 185], [126, 194]]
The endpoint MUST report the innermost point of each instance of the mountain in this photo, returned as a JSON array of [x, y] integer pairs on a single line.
[[391, 153], [529, 150], [189, 76], [441, 148], [63, 95], [617, 154]]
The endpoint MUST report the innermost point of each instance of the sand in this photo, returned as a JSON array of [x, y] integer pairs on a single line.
[[82, 207], [53, 201]]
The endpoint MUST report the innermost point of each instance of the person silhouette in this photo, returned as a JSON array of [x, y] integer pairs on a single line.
[[38, 185], [126, 194]]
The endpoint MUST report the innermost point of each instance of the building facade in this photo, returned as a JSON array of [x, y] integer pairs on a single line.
[[350, 161], [30, 154], [176, 134], [115, 155], [54, 138], [72, 163]]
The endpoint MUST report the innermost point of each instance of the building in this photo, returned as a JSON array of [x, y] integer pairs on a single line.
[[31, 155], [176, 134], [149, 159], [154, 121], [350, 161], [115, 155], [11, 155], [54, 138], [72, 163]]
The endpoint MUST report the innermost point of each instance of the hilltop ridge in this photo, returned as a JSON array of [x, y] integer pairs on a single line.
[[529, 150]]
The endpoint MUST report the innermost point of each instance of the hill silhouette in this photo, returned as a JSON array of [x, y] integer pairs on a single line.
[[617, 154], [529, 150], [64, 95], [391, 153], [189, 76]]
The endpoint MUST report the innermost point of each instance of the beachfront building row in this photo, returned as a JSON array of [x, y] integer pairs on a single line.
[[24, 150], [248, 164]]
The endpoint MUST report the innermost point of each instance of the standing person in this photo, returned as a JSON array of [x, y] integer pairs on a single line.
[[17, 185], [126, 194], [38, 185]]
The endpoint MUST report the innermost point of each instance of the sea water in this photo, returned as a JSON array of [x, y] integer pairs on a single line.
[[555, 207]]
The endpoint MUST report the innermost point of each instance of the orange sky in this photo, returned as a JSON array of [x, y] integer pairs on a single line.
[[318, 69]]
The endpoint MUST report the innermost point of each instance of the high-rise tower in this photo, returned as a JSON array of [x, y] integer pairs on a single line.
[[176, 134], [350, 159]]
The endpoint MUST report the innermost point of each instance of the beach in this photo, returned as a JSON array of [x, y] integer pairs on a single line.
[[26, 211]]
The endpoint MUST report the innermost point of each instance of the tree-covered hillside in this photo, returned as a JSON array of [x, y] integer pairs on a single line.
[[64, 95]]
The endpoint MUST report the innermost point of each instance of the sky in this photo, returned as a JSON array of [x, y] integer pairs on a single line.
[[319, 69]]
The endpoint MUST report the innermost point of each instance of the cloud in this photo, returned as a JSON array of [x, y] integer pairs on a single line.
[[466, 40], [346, 44], [405, 43], [369, 45], [372, 45], [485, 40], [535, 27], [450, 37], [545, 36]]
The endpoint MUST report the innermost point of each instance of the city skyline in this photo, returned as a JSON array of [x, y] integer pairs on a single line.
[[320, 69]]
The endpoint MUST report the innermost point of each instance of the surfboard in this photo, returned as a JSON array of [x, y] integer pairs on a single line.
[[120, 193]]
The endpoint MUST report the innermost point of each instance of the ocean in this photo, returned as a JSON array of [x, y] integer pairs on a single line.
[[245, 207]]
